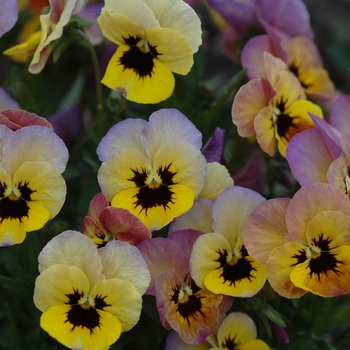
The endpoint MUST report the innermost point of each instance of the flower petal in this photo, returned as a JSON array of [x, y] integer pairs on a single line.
[[125, 262]]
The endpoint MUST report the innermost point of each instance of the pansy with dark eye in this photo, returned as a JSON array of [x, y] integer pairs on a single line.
[[183, 306], [89, 297], [304, 241], [153, 169], [219, 260], [32, 189], [275, 108], [156, 39]]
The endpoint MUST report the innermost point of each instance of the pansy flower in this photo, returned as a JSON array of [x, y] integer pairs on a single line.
[[104, 223], [304, 241], [89, 297], [236, 331], [192, 311], [301, 57], [219, 260], [156, 39], [32, 189], [40, 44], [274, 108], [153, 169]]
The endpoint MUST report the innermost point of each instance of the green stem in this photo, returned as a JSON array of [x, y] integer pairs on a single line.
[[99, 95]]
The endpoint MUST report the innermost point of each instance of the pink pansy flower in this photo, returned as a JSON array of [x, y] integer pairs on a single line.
[[304, 241], [104, 223], [274, 108], [191, 311], [301, 57], [15, 118], [249, 17]]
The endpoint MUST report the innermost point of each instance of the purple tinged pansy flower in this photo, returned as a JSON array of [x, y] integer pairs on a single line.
[[153, 169], [32, 189], [339, 116], [304, 241], [191, 311]]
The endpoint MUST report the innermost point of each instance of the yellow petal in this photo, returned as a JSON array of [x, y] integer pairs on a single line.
[[104, 329], [139, 76], [121, 299], [327, 274], [57, 283]]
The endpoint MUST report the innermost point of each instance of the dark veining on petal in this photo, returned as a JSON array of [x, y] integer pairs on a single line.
[[236, 270], [12, 207], [155, 194], [325, 261], [84, 316], [190, 307], [229, 343], [300, 257], [284, 122], [142, 63]]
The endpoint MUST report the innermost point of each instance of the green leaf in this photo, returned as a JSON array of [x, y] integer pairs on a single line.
[[273, 315]]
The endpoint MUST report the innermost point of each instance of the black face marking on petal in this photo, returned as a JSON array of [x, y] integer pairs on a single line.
[[73, 298], [301, 257], [3, 188], [190, 307], [100, 302], [84, 316], [153, 195], [325, 261], [236, 270], [295, 70], [284, 122], [228, 344], [12, 207], [136, 59]]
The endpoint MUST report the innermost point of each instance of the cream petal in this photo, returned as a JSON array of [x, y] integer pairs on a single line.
[[44, 145], [231, 210], [72, 248], [169, 125], [179, 16], [199, 217], [125, 262], [125, 134]]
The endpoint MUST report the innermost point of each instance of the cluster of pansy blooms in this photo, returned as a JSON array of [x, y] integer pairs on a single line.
[[223, 241]]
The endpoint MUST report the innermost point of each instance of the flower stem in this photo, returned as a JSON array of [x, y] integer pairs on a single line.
[[99, 96]]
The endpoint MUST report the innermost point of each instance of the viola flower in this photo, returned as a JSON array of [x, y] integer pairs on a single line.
[[155, 40], [219, 260], [192, 311], [248, 18], [301, 57], [104, 223], [153, 169], [41, 43], [32, 189], [304, 241], [339, 116], [274, 108], [236, 331], [89, 297]]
